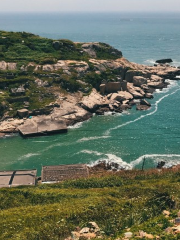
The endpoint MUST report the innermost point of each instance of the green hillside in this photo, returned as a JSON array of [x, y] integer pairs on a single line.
[[130, 200]]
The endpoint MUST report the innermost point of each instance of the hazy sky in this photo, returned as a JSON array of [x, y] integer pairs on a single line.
[[89, 5]]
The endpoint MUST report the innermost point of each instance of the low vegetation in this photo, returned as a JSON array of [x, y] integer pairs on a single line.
[[132, 200], [26, 50]]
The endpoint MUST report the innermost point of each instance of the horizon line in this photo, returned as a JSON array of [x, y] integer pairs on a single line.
[[90, 11]]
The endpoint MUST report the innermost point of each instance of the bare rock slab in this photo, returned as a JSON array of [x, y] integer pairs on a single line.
[[42, 125]]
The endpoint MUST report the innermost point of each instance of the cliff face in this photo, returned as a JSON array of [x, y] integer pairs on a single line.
[[46, 77]]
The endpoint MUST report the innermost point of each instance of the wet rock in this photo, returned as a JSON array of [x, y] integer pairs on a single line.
[[144, 102], [101, 111], [149, 95], [142, 107], [161, 164], [125, 107], [166, 60]]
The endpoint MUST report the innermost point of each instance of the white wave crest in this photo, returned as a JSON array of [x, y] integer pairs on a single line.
[[92, 138], [113, 161], [91, 152], [28, 155], [77, 125], [142, 116], [169, 159], [150, 62]]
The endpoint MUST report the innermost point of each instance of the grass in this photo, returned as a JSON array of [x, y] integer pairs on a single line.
[[24, 48], [116, 202], [27, 47]]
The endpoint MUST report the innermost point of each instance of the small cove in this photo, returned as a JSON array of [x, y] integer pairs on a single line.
[[126, 137]]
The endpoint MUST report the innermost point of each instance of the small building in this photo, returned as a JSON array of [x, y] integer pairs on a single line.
[[64, 172], [17, 178]]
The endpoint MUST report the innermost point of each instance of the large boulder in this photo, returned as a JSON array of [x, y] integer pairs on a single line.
[[92, 102], [137, 92], [113, 87], [121, 96], [166, 60], [138, 81], [130, 75], [155, 78]]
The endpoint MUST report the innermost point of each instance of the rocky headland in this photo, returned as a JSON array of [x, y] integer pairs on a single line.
[[69, 83]]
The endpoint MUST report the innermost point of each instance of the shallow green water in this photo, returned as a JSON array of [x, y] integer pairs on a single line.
[[123, 138]]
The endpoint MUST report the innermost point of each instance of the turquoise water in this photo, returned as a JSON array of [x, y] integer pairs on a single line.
[[126, 138]]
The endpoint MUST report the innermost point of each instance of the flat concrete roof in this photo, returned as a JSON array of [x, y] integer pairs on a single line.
[[17, 178], [64, 172]]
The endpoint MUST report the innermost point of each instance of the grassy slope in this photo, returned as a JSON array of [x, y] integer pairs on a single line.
[[22, 48], [116, 202]]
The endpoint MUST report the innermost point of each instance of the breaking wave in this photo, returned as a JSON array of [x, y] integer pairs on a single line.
[[77, 125], [169, 159], [112, 160]]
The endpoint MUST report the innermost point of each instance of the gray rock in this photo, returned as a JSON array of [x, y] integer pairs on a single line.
[[138, 81], [167, 60], [149, 95], [142, 107], [84, 230], [42, 125], [23, 113], [128, 234], [130, 75], [144, 102]]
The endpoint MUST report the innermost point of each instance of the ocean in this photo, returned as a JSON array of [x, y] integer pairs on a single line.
[[125, 138]]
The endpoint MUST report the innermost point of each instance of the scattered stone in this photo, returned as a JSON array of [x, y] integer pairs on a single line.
[[149, 236], [84, 230], [166, 213], [128, 235]]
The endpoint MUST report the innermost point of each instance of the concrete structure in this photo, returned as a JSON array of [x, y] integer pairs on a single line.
[[64, 172], [17, 178]]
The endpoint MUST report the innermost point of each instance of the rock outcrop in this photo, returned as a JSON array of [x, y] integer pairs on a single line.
[[42, 125]]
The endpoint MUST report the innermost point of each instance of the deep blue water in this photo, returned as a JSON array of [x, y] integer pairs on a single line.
[[126, 137]]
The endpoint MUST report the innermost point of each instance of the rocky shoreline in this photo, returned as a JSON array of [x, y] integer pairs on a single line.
[[69, 109]]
